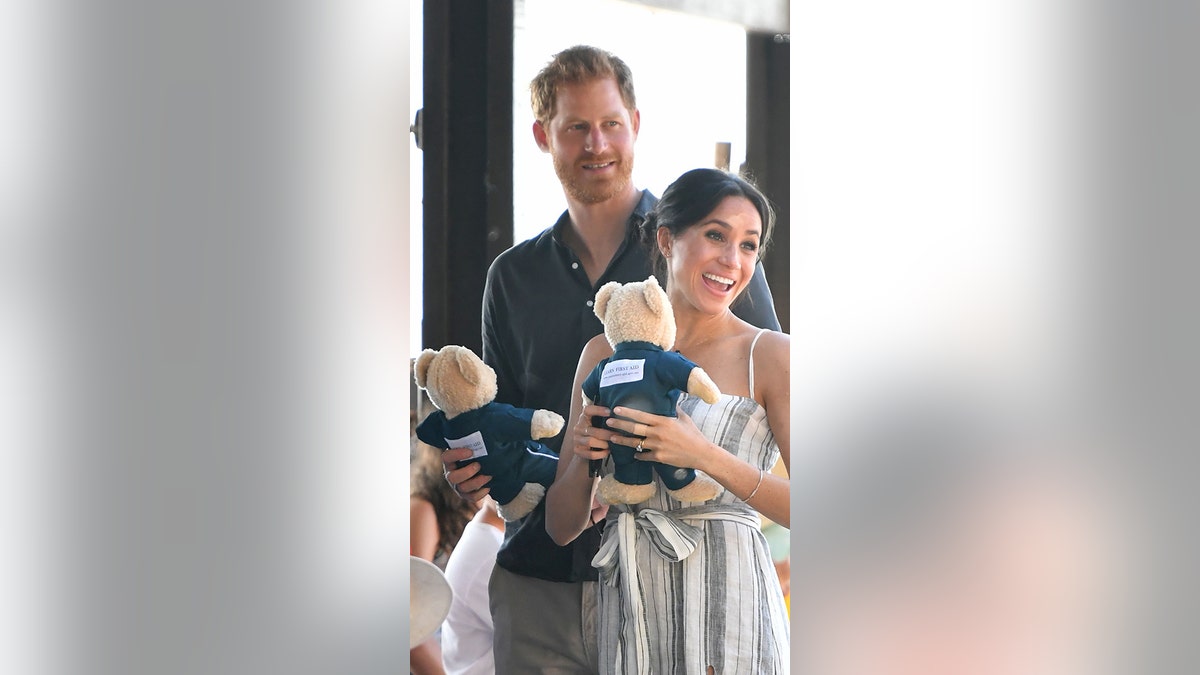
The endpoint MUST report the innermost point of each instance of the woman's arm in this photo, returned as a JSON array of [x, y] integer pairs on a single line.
[[774, 372], [678, 442], [772, 377], [569, 499], [423, 529], [425, 658]]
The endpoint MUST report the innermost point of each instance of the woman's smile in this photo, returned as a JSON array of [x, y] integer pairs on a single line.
[[718, 283]]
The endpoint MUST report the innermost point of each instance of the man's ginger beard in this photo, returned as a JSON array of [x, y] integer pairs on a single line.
[[596, 192]]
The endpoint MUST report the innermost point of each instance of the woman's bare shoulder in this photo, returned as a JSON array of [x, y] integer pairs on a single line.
[[774, 343], [421, 509], [596, 349], [773, 354]]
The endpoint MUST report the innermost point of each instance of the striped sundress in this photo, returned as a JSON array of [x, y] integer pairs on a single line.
[[702, 590]]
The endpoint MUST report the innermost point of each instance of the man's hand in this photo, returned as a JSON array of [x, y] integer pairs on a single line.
[[467, 481]]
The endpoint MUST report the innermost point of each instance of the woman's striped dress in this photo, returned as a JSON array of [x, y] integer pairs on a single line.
[[721, 605]]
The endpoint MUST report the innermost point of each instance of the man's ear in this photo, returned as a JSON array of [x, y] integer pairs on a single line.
[[539, 136], [635, 120]]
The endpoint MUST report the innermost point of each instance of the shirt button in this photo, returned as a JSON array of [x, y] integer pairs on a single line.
[[574, 265], [589, 303]]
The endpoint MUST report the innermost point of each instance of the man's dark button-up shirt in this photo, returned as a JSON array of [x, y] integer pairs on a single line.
[[537, 317]]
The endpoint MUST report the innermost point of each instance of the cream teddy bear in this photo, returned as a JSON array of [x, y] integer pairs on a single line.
[[641, 374], [502, 437]]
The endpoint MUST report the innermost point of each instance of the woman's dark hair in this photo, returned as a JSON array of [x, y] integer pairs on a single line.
[[693, 196], [427, 482]]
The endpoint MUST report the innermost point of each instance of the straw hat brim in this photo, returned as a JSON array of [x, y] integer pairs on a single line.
[[429, 600]]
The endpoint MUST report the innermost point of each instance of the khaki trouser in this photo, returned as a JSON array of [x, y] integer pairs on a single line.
[[542, 627]]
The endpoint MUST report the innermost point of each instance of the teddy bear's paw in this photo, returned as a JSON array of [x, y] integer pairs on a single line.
[[546, 424], [701, 385], [612, 491], [520, 506], [701, 489]]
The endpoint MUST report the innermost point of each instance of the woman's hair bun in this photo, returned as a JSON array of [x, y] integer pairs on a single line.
[[650, 227]]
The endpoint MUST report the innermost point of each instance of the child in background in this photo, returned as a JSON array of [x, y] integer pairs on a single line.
[[467, 631]]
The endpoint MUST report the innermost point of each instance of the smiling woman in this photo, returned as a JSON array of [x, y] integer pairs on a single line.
[[721, 205], [712, 603]]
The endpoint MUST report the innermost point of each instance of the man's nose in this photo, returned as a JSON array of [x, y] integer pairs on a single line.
[[596, 141]]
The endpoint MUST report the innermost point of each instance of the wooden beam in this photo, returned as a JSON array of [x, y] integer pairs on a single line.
[[768, 156], [771, 16], [467, 156]]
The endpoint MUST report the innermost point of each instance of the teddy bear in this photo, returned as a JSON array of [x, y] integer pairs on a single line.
[[642, 374], [502, 437]]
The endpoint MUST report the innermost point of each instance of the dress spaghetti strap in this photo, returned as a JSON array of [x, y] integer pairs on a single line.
[[752, 343]]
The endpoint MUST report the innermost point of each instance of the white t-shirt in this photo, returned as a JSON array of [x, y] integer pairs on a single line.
[[467, 630]]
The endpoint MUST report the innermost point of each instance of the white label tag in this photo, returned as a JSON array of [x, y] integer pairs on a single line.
[[474, 442], [625, 370]]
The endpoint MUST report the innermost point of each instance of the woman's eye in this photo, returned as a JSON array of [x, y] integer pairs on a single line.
[[750, 246], [715, 235]]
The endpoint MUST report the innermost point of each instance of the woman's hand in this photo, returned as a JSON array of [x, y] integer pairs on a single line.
[[591, 442], [570, 505], [671, 440]]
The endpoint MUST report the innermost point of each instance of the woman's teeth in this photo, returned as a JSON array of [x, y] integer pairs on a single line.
[[720, 280]]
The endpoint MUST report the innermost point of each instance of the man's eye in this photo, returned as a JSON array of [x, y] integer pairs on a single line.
[[611, 123]]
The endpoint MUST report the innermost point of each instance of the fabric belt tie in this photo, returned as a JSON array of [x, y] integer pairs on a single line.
[[671, 537]]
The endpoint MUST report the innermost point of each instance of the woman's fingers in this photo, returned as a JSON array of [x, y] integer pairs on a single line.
[[586, 434], [628, 441], [591, 443], [590, 411], [622, 425], [636, 415], [591, 452]]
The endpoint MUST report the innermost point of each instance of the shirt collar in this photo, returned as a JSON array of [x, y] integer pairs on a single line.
[[644, 205]]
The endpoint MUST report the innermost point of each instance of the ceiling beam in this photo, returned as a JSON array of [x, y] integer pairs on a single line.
[[770, 16]]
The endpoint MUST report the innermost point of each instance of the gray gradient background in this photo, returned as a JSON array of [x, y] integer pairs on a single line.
[[201, 495]]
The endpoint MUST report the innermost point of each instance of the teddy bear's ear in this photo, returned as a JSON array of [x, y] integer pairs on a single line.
[[654, 296], [421, 367], [468, 365], [602, 297]]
